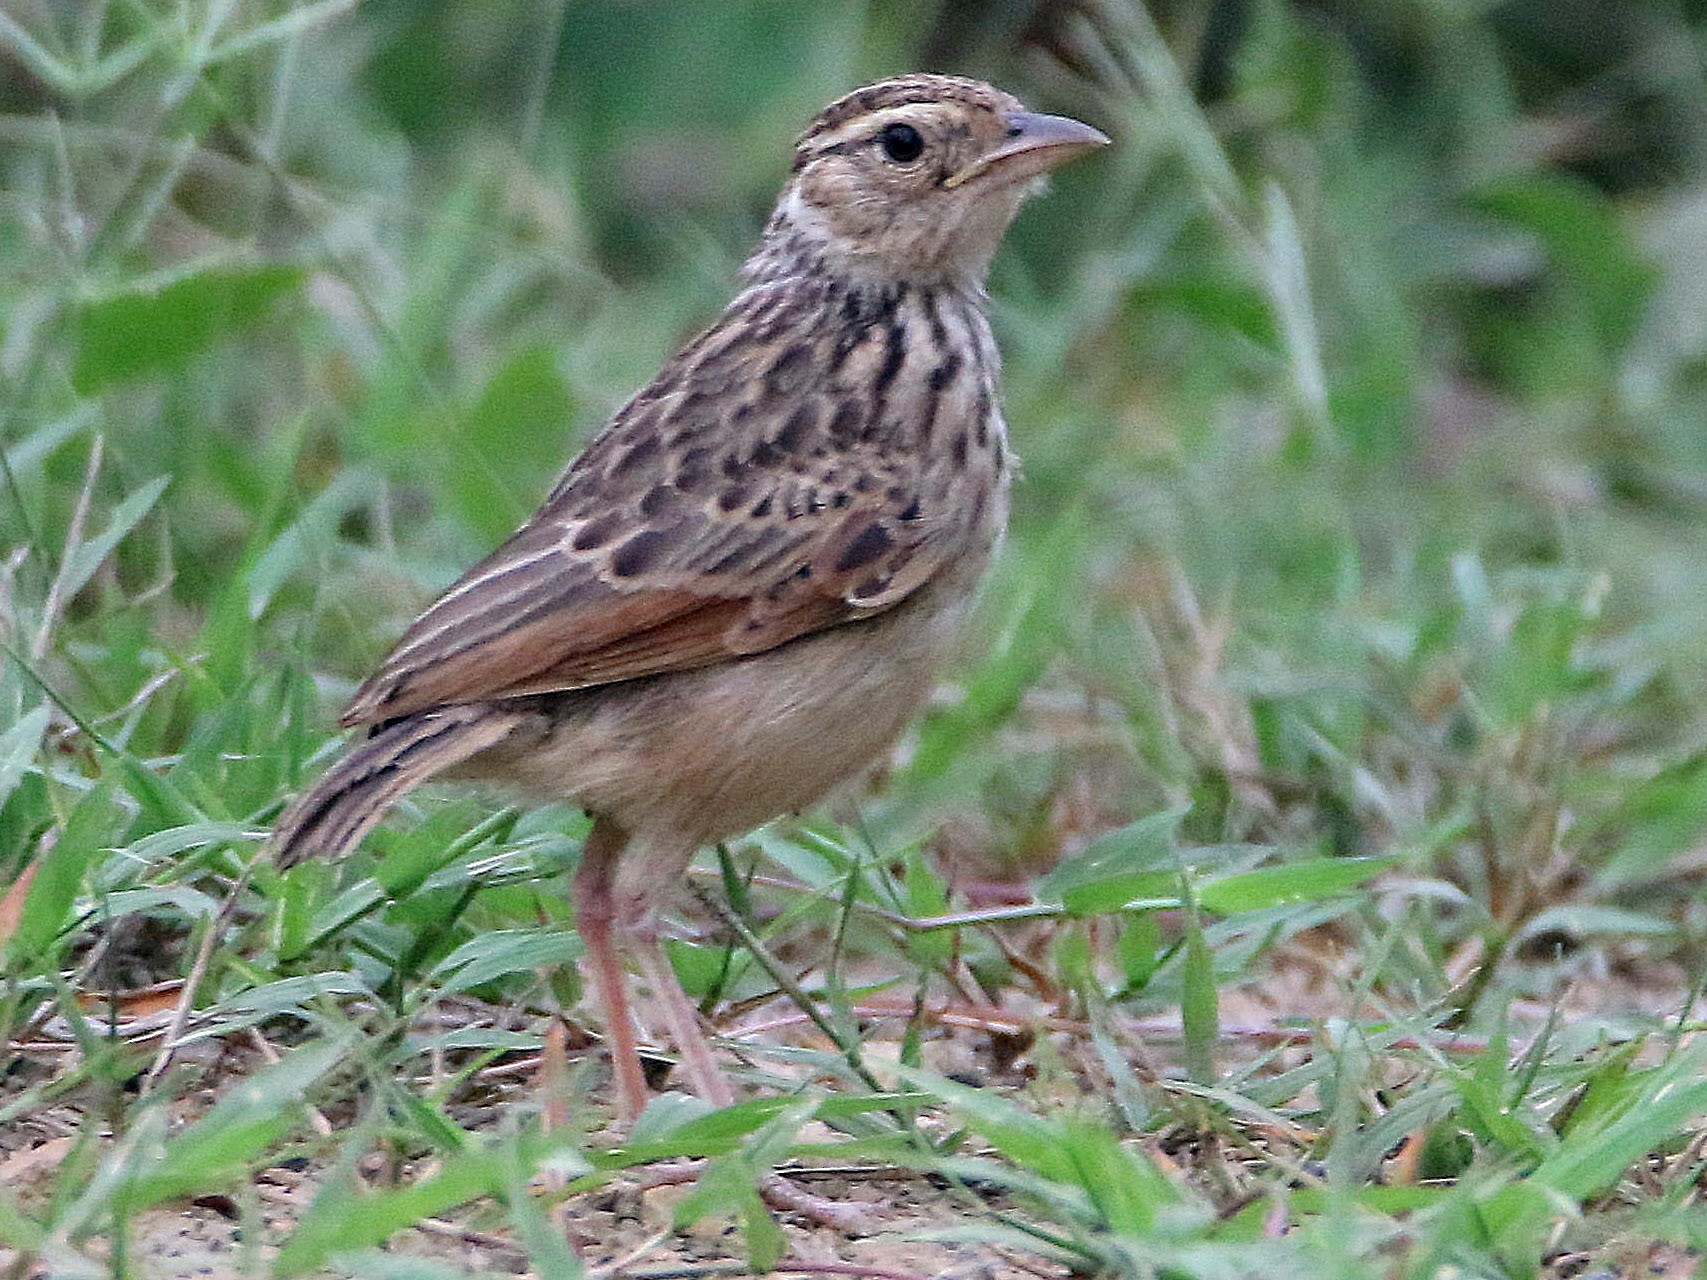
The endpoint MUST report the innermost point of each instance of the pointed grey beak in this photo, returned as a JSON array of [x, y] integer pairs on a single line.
[[1035, 144]]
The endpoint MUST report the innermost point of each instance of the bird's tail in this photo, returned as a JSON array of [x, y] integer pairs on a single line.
[[352, 796]]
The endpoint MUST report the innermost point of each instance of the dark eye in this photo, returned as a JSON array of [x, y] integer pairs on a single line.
[[901, 143]]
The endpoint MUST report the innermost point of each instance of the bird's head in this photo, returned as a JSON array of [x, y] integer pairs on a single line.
[[915, 178]]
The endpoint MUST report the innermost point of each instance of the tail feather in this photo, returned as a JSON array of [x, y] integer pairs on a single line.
[[352, 796]]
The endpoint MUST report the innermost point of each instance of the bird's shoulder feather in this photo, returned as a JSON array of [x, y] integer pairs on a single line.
[[769, 483]]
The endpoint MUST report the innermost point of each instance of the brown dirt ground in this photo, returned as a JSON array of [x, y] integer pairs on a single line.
[[625, 1229]]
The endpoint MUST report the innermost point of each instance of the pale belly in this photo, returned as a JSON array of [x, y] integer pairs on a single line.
[[686, 759]]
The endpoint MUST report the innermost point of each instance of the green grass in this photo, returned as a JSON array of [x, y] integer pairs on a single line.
[[1340, 698]]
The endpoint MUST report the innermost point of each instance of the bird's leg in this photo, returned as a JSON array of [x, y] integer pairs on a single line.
[[595, 913], [616, 908], [704, 1076], [709, 1083]]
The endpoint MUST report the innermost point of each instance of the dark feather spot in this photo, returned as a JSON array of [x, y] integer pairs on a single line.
[[872, 542], [733, 498], [845, 423], [639, 554], [637, 455], [845, 345], [762, 507], [790, 371], [691, 474], [912, 512], [894, 356], [799, 425], [664, 500], [939, 332], [598, 531], [927, 420], [945, 373], [959, 448], [697, 405]]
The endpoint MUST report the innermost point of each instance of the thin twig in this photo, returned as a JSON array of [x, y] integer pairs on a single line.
[[620, 1265], [734, 1267], [193, 981], [316, 1118], [468, 1235], [786, 983]]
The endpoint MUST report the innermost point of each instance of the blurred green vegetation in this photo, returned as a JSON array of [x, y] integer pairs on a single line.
[[1362, 399]]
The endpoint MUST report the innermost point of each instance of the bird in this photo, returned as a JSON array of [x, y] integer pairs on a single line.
[[741, 591]]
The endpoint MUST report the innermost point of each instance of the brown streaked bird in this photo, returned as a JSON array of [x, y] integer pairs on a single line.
[[742, 590]]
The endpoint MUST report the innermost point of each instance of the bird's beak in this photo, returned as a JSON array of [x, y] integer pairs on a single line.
[[1034, 144]]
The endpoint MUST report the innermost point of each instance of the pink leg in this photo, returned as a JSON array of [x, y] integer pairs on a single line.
[[711, 1084], [599, 918], [594, 913], [680, 1015]]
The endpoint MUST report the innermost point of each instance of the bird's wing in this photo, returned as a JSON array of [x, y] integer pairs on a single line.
[[725, 511]]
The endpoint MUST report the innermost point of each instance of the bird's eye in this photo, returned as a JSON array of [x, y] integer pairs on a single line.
[[901, 143]]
